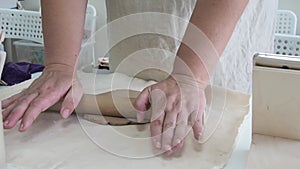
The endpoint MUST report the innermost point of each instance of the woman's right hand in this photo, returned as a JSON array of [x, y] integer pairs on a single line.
[[56, 82]]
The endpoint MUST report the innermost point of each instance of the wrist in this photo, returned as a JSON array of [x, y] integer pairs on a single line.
[[183, 79], [195, 70], [59, 67], [198, 63]]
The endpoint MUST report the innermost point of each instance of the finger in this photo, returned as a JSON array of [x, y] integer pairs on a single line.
[[156, 128], [181, 129], [172, 103], [71, 100], [178, 146], [10, 100], [16, 111], [158, 105], [168, 131], [197, 123], [7, 111], [141, 103], [38, 105]]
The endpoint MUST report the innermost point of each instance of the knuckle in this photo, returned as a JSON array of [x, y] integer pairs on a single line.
[[69, 101], [47, 99], [30, 117], [181, 123], [49, 92], [197, 121], [172, 113], [169, 124], [199, 117], [38, 105], [48, 88], [174, 107], [177, 109], [16, 112], [20, 98], [5, 113], [24, 101], [156, 123], [170, 108], [35, 103]]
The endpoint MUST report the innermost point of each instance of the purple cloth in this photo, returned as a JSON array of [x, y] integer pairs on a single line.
[[14, 73]]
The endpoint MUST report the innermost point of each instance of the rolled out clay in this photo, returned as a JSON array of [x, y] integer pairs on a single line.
[[78, 143], [81, 144]]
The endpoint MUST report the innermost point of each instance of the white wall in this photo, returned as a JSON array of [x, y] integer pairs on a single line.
[[8, 3], [101, 11], [101, 44], [293, 5], [101, 18]]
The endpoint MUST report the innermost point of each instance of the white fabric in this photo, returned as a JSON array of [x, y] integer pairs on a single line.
[[157, 51], [254, 33]]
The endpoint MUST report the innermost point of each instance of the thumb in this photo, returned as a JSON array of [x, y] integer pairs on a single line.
[[142, 103]]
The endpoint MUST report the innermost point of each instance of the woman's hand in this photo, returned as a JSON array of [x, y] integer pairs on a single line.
[[174, 102], [56, 82]]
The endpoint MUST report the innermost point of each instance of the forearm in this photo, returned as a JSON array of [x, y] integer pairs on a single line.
[[63, 23], [216, 19]]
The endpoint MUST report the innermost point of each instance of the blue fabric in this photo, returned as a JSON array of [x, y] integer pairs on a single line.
[[14, 73]]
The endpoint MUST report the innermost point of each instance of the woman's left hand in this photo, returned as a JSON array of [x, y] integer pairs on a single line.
[[174, 101]]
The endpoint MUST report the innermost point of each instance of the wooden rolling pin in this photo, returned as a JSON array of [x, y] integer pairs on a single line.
[[117, 104]]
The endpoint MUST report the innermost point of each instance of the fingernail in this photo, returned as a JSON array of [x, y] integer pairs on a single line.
[[139, 117], [167, 148], [158, 145], [21, 126], [199, 136], [66, 113], [177, 142], [6, 123]]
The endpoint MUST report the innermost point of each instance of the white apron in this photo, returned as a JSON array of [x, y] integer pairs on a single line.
[[148, 55], [132, 52]]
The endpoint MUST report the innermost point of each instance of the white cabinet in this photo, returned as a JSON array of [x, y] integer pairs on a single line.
[[8, 3]]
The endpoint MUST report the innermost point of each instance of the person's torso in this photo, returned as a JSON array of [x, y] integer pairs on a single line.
[[145, 35]]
